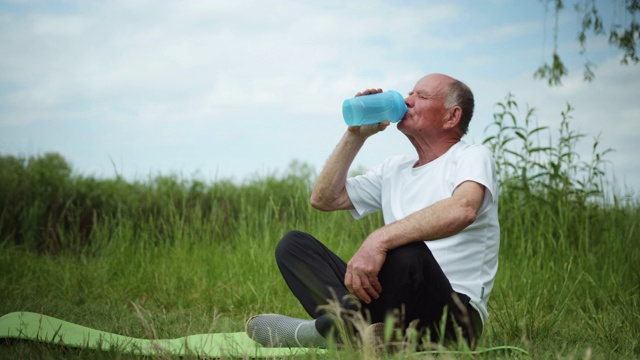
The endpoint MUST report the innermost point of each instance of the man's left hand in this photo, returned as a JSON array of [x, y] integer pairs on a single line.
[[361, 278]]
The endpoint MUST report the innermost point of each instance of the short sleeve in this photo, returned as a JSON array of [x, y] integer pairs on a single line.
[[365, 192], [476, 163]]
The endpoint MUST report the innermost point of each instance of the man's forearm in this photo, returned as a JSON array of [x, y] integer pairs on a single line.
[[440, 220], [329, 192]]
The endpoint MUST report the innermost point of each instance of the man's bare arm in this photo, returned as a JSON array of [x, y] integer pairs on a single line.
[[329, 192], [442, 219]]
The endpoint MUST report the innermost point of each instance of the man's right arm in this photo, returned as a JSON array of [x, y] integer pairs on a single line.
[[329, 192]]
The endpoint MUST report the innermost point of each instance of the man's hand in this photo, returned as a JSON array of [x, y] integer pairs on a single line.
[[361, 278], [368, 130]]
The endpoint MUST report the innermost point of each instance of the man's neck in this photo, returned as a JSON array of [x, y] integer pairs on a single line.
[[429, 150]]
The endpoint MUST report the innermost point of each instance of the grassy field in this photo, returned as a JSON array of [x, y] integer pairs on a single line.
[[170, 257], [199, 259]]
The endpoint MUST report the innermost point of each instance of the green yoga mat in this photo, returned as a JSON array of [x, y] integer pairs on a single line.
[[43, 328], [38, 327]]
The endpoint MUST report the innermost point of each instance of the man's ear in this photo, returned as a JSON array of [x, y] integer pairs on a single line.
[[453, 117]]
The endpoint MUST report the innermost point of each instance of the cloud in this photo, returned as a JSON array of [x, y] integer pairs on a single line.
[[138, 56], [239, 85]]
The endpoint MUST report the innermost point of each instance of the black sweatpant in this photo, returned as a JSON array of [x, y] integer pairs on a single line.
[[411, 281]]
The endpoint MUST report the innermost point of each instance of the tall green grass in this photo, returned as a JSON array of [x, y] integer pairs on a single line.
[[171, 257]]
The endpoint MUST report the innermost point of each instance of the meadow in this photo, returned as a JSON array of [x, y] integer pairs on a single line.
[[169, 257]]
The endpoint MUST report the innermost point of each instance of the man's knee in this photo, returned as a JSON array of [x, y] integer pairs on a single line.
[[405, 257], [290, 243]]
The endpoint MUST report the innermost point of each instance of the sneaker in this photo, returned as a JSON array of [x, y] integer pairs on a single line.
[[273, 330]]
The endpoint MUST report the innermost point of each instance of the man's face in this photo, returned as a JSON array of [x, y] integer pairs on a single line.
[[426, 110]]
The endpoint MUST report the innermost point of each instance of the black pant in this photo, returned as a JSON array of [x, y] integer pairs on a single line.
[[411, 280]]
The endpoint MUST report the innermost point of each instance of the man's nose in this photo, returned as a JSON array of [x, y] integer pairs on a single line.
[[409, 101]]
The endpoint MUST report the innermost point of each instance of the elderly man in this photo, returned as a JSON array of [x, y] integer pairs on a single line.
[[437, 254]]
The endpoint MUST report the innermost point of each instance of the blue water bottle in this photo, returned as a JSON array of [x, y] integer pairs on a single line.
[[374, 108]]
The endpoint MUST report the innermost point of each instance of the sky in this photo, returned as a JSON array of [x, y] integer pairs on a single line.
[[240, 89]]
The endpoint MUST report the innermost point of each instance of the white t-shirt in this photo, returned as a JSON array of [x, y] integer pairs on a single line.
[[469, 259]]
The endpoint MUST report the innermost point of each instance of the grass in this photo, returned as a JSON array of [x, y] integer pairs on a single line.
[[170, 257]]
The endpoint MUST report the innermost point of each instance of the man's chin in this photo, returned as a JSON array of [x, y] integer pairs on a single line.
[[399, 127]]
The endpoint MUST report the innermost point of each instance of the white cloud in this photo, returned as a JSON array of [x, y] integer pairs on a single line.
[[152, 54], [197, 78]]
